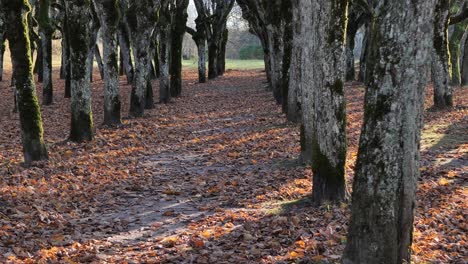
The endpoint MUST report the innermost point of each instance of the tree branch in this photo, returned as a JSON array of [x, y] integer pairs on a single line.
[[461, 16]]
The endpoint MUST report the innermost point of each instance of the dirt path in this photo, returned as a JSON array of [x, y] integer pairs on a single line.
[[209, 178]]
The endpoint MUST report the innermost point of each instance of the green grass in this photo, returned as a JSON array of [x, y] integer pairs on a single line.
[[230, 64]]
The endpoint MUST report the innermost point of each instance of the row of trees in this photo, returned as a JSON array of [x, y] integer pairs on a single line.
[[309, 47], [144, 36]]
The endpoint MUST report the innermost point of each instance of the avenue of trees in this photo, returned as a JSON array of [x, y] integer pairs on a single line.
[[308, 51]]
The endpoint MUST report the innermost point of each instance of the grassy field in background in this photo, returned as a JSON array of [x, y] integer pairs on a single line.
[[230, 64]]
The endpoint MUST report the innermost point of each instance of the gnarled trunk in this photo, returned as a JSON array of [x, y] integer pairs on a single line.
[[14, 14], [323, 101], [81, 36], [387, 166], [109, 18]]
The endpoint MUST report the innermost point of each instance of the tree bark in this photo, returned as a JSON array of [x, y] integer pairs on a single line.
[[387, 166], [100, 63], [221, 60], [287, 54], [454, 48], [295, 75], [15, 13], [164, 40], [109, 16], [441, 63], [2, 51], [177, 34], [124, 43], [323, 101], [142, 19], [81, 36], [63, 61], [38, 65], [46, 30], [464, 60]]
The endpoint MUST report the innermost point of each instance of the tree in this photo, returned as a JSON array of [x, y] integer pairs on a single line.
[[356, 18], [109, 16], [80, 34], [124, 43], [266, 20], [287, 16], [464, 63], [14, 15], [441, 58], [142, 17], [177, 34], [46, 29], [2, 47], [323, 101], [214, 14], [295, 74], [387, 168], [164, 50], [199, 37]]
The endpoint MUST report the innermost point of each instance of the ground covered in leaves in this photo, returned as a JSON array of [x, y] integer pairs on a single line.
[[211, 178]]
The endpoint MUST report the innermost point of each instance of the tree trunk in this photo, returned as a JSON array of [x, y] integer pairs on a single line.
[[441, 65], [295, 75], [454, 47], [364, 52], [15, 14], [100, 63], [46, 31], [66, 37], [387, 166], [38, 65], [287, 48], [124, 43], [2, 52], [81, 36], [164, 40], [201, 46], [107, 10], [141, 21], [212, 59], [464, 61], [63, 62], [323, 97], [178, 30], [221, 61]]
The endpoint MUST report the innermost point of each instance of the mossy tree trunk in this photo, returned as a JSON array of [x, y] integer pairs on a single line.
[[124, 43], [15, 13], [293, 100], [387, 168], [109, 16], [177, 39], [81, 36], [441, 63], [454, 48], [141, 17], [324, 106], [46, 29]]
